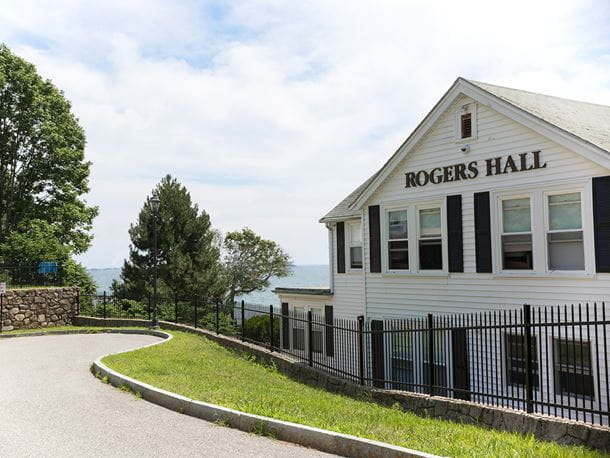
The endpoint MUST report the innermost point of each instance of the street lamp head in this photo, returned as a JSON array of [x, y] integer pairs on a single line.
[[154, 203]]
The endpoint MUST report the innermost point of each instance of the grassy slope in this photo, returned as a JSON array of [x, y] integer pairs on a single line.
[[198, 368]]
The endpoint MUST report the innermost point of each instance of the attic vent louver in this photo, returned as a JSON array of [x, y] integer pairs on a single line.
[[466, 125]]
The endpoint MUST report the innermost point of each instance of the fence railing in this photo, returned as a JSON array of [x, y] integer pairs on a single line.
[[43, 274], [547, 360]]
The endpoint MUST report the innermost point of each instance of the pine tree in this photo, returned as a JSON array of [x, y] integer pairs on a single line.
[[188, 249]]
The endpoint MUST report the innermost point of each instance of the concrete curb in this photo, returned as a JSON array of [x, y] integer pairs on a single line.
[[150, 332], [319, 439]]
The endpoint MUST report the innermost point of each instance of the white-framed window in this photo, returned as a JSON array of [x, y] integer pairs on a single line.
[[354, 245], [564, 232], [544, 230], [466, 123], [516, 235], [415, 240], [398, 239], [430, 239], [298, 328], [317, 330]]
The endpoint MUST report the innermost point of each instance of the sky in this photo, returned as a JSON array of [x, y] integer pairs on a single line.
[[271, 112]]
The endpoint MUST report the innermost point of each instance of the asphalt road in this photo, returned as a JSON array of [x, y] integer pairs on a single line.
[[51, 405]]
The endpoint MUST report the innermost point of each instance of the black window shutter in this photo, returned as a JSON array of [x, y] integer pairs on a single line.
[[330, 331], [454, 233], [601, 222], [375, 238], [285, 327], [341, 248], [482, 232]]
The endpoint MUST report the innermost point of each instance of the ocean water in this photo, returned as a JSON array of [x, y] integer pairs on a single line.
[[302, 276]]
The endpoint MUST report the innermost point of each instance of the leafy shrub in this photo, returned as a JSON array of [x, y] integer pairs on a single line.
[[257, 328], [226, 324]]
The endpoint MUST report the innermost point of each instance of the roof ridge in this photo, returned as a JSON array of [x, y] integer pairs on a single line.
[[478, 83]]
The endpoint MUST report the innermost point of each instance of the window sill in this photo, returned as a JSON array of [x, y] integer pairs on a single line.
[[556, 274], [353, 271], [432, 274]]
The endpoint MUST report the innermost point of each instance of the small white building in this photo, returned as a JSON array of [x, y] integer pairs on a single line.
[[499, 197]]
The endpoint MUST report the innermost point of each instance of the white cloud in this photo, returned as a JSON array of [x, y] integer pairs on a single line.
[[271, 112]]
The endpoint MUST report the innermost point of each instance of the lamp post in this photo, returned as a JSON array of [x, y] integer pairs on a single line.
[[154, 204]]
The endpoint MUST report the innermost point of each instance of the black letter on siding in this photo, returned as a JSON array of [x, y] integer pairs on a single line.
[[601, 222], [454, 230], [329, 331], [341, 247], [374, 238], [285, 327], [482, 232]]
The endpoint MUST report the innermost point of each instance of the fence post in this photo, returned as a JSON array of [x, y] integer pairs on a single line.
[[243, 316], [104, 306], [176, 309], [271, 328], [527, 331], [309, 338], [361, 349], [1, 309], [217, 316], [378, 353], [77, 305], [430, 354], [195, 307]]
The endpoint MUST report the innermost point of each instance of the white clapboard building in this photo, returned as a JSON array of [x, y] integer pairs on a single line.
[[499, 197]]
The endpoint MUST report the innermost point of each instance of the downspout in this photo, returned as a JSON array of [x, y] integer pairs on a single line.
[[331, 266], [364, 264]]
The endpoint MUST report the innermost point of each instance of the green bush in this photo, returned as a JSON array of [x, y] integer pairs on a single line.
[[257, 328], [226, 324]]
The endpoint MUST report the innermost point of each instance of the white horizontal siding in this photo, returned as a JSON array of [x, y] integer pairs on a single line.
[[394, 296], [348, 297]]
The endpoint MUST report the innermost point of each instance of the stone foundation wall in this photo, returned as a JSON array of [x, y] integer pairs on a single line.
[[38, 308], [540, 426]]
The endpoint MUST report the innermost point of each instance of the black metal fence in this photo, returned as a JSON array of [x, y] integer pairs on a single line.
[[44, 274], [548, 360]]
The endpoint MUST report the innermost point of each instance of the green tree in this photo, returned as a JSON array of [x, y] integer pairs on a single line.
[[250, 261], [36, 240], [188, 249], [43, 173]]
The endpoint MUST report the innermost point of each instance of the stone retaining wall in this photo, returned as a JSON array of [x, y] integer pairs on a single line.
[[542, 427], [38, 308]]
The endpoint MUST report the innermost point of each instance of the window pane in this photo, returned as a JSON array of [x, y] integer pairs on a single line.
[[355, 256], [566, 251], [402, 359], [573, 374], [398, 255], [355, 233], [516, 215], [397, 224], [517, 251], [430, 222], [430, 254], [515, 359], [564, 212]]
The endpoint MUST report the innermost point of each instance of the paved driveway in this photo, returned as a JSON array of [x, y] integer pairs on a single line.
[[51, 405]]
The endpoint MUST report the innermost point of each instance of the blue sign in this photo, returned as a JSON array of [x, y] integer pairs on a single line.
[[47, 267]]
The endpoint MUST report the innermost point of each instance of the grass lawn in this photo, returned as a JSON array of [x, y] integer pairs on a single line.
[[201, 369]]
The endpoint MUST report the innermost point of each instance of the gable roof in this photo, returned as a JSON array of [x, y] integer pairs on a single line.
[[583, 127], [588, 121]]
